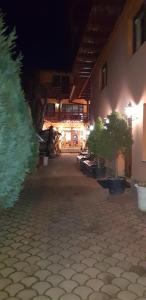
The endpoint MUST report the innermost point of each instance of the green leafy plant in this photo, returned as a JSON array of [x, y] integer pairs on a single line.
[[18, 145], [94, 139], [116, 138]]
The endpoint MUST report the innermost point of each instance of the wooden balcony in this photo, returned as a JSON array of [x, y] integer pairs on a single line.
[[64, 116]]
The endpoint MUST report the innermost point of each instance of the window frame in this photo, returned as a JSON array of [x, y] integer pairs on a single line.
[[141, 17], [103, 76]]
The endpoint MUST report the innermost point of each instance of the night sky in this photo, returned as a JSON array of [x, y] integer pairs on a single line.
[[43, 32]]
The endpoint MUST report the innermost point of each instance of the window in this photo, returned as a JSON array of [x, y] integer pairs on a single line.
[[56, 81], [103, 79], [65, 84], [139, 28], [50, 109]]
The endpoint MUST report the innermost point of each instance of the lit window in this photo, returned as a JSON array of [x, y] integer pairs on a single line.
[[139, 28]]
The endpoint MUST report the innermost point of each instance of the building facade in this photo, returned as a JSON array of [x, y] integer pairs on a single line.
[[118, 79]]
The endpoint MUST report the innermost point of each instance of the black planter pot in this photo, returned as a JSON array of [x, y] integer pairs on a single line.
[[104, 182], [117, 185]]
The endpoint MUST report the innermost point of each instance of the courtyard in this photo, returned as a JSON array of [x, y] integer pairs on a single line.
[[68, 239]]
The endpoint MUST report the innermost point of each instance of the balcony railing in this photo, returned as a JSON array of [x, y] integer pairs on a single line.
[[63, 116]]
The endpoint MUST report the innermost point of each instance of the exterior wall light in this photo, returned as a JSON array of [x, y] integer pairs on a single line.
[[91, 127], [131, 112]]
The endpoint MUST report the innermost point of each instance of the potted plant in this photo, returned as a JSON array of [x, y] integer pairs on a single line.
[[141, 195], [116, 139], [94, 146]]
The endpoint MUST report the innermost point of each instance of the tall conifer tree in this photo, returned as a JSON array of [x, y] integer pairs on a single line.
[[18, 145]]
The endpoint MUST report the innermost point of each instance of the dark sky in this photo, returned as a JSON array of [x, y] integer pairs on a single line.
[[43, 31]]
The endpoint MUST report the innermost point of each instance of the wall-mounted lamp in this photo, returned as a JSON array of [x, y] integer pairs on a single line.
[[131, 112], [91, 127]]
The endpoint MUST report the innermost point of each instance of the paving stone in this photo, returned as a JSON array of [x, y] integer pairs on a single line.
[[70, 297], [55, 293], [42, 298], [55, 268], [2, 266], [7, 271], [115, 271], [142, 280], [17, 276], [43, 263], [68, 285], [102, 266], [125, 295], [112, 261], [99, 296], [55, 279], [12, 298], [55, 258], [79, 267], [23, 256], [11, 261], [92, 272], [66, 262], [83, 292], [95, 284], [133, 260], [95, 249], [119, 255], [14, 288], [3, 295], [42, 274], [122, 283], [21, 265], [34, 251], [14, 253], [86, 253], [66, 253], [32, 259], [131, 276], [4, 282], [27, 294], [99, 256], [41, 287], [137, 289], [28, 281], [77, 257], [125, 265], [110, 289], [106, 277], [67, 273], [90, 262], [80, 278]]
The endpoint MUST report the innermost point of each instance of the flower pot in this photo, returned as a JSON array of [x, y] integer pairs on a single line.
[[141, 193], [104, 182], [117, 185]]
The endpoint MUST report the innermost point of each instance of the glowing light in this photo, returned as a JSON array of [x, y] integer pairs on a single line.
[[57, 105], [131, 111], [91, 127]]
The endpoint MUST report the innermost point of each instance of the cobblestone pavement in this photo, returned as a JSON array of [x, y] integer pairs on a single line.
[[66, 239]]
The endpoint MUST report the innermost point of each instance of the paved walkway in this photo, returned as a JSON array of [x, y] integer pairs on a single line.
[[68, 240]]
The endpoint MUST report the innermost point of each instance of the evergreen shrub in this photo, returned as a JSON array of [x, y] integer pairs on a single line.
[[18, 144]]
